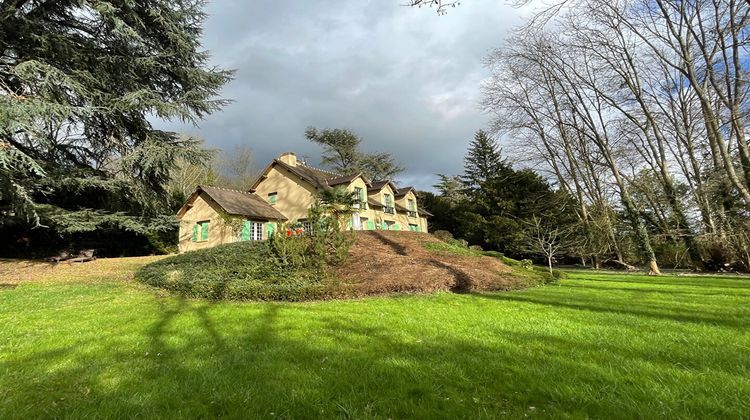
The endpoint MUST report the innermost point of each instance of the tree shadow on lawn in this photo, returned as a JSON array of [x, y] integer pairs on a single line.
[[617, 305], [692, 291], [695, 281], [210, 360]]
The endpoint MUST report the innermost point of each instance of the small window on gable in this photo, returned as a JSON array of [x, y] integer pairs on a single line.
[[272, 197]]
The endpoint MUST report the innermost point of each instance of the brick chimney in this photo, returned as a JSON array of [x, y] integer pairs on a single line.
[[289, 158]]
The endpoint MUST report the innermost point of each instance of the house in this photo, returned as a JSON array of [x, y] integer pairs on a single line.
[[284, 192]]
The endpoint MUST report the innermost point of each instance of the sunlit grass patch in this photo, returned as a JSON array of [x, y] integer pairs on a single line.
[[593, 345]]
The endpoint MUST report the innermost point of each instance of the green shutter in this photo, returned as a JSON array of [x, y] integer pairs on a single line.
[[272, 198], [247, 230], [204, 231], [349, 225], [195, 233], [396, 226], [383, 226], [270, 229], [371, 224], [418, 229]]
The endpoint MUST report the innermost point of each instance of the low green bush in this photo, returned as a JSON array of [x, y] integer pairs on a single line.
[[453, 247], [242, 270], [526, 268], [547, 277], [495, 254], [443, 235], [527, 264]]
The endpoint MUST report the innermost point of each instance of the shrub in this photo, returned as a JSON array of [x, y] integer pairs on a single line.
[[461, 242], [324, 244], [495, 254], [475, 248], [443, 235], [242, 270], [452, 247], [527, 264]]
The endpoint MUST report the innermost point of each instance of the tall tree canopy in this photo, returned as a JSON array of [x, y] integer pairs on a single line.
[[483, 161], [80, 82], [639, 109], [340, 148], [491, 204], [341, 154]]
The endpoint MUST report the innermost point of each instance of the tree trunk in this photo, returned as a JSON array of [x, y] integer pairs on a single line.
[[549, 264], [653, 268]]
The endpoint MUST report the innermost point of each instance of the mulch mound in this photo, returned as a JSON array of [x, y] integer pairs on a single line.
[[383, 262]]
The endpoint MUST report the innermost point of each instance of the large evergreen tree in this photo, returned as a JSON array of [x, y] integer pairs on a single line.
[[483, 161], [80, 84], [341, 154]]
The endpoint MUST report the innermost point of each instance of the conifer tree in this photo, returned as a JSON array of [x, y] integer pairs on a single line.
[[341, 154], [80, 84], [483, 161]]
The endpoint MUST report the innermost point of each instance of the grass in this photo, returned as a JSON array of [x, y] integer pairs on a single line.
[[531, 272], [593, 345]]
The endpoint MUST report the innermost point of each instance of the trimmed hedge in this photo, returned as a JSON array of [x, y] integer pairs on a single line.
[[240, 271]]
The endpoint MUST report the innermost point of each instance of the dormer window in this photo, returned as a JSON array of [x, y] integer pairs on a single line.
[[389, 204], [412, 208]]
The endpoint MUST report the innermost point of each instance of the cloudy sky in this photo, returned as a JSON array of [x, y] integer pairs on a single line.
[[406, 80]]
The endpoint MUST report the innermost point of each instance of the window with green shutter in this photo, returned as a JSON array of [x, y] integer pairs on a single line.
[[371, 225], [204, 231], [272, 197], [195, 232], [247, 229]]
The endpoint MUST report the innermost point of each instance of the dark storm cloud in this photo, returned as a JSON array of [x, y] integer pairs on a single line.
[[404, 79]]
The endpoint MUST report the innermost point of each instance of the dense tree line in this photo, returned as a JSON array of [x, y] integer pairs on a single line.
[[492, 204], [638, 110]]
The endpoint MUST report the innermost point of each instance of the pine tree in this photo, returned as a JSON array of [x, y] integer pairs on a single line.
[[80, 83], [483, 161], [341, 154]]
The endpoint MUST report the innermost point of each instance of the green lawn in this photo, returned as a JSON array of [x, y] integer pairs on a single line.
[[595, 345]]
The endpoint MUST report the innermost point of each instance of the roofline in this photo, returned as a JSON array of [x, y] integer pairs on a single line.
[[303, 177], [387, 182], [199, 189], [189, 202], [407, 189]]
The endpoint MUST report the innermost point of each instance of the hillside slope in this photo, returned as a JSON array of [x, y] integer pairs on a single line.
[[396, 262]]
